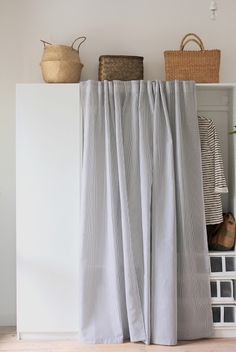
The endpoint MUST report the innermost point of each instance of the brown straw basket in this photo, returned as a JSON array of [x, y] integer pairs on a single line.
[[61, 63], [201, 65], [120, 67]]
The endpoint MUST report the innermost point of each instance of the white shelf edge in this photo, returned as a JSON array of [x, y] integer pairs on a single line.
[[209, 108], [216, 85], [224, 325], [222, 254], [220, 301], [224, 275]]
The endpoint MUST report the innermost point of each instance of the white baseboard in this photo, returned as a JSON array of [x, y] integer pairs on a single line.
[[224, 332], [47, 336], [218, 332]]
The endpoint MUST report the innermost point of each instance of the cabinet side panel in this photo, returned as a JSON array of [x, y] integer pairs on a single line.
[[48, 176], [232, 152]]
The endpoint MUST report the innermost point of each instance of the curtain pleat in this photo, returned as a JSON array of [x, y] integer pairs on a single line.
[[144, 266]]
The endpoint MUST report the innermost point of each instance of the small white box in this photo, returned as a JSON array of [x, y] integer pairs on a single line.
[[217, 264], [224, 315], [222, 290]]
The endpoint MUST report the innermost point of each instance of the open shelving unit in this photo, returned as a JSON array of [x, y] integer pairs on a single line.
[[218, 102]]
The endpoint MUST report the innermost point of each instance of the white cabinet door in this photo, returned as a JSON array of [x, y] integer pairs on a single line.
[[48, 155]]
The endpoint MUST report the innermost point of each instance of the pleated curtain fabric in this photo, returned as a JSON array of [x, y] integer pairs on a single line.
[[144, 266]]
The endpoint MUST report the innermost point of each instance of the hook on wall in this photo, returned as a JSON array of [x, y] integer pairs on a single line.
[[213, 8]]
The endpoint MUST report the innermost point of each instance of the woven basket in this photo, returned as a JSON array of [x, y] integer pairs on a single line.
[[61, 71], [61, 63], [120, 67], [200, 66]]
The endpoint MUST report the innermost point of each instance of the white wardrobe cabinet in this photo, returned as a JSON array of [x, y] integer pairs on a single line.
[[48, 164], [48, 155]]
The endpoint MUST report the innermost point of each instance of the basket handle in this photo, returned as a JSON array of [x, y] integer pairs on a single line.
[[44, 43], [83, 40], [196, 39]]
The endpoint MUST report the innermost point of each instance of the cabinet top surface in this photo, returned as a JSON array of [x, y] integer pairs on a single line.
[[204, 85]]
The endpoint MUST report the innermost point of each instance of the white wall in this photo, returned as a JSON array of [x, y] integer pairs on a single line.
[[135, 27]]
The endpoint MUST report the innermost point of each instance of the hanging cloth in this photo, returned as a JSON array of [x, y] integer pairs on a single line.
[[144, 265], [214, 182]]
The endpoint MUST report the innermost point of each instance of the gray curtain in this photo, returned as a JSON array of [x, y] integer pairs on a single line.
[[144, 266]]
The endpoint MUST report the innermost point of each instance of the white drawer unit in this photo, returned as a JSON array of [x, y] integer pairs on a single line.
[[223, 293]]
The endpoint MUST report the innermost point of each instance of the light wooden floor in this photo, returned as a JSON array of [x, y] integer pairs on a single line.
[[8, 342]]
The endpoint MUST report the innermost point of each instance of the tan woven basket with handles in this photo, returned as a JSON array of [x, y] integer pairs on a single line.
[[201, 65], [120, 67], [61, 63]]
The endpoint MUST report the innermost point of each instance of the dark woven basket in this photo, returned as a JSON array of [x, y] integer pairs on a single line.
[[120, 67]]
